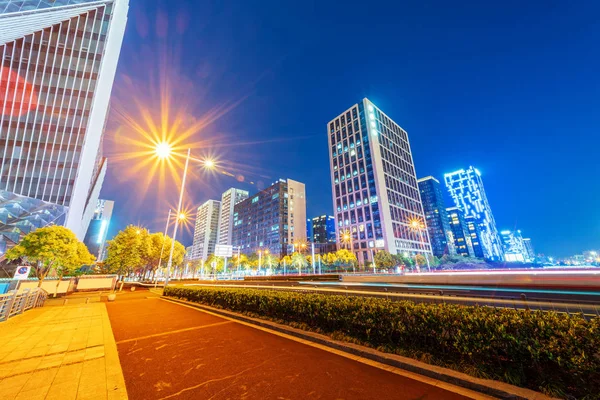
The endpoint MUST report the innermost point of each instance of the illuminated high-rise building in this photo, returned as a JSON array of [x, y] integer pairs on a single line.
[[529, 249], [468, 194], [206, 230], [475, 234], [375, 194], [460, 232], [274, 219], [228, 201], [322, 229], [95, 238], [515, 249], [436, 216], [59, 60]]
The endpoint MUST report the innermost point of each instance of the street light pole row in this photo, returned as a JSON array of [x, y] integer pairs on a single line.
[[163, 151]]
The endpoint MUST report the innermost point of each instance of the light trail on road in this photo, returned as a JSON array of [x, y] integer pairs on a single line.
[[587, 310]]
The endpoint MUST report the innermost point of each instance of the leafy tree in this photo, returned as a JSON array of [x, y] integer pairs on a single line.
[[215, 264], [384, 260], [270, 261], [157, 241], [299, 261], [401, 259], [420, 260], [241, 261], [129, 250], [51, 247], [329, 260], [286, 262], [346, 258], [83, 258], [253, 261]]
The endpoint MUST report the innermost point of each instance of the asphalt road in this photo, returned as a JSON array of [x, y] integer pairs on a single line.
[[169, 351]]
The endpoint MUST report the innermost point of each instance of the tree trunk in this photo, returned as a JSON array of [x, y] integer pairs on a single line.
[[57, 284]]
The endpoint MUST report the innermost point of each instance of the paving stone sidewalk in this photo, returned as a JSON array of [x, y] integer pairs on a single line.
[[64, 352]]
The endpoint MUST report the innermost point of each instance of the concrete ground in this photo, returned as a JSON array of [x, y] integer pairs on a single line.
[[61, 353], [170, 351]]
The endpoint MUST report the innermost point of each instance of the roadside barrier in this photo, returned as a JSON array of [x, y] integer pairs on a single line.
[[14, 303]]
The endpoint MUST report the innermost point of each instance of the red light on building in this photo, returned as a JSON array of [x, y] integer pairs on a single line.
[[17, 96]]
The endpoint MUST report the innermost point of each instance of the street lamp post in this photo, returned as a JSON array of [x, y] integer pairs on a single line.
[[259, 261], [415, 224], [374, 264], [347, 238], [170, 263], [162, 249], [312, 246], [423, 243]]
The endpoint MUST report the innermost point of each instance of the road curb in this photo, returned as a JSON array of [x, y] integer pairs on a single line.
[[485, 386]]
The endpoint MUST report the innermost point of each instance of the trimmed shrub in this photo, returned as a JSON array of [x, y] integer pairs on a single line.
[[554, 353]]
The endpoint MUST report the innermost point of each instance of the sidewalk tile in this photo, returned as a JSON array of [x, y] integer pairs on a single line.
[[40, 379], [68, 373], [38, 393], [63, 391]]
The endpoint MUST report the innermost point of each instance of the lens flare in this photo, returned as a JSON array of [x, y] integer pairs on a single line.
[[163, 150]]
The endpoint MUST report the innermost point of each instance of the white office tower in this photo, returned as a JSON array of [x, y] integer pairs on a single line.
[[59, 60], [228, 200], [206, 230], [375, 193]]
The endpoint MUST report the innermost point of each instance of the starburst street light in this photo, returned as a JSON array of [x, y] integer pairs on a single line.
[[346, 237], [418, 225], [163, 150]]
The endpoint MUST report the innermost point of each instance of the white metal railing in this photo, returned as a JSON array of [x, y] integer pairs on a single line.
[[13, 302]]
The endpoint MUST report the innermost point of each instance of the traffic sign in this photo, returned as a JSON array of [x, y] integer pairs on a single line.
[[22, 272], [223, 250]]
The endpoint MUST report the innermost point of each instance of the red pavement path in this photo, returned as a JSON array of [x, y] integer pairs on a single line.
[[169, 351]]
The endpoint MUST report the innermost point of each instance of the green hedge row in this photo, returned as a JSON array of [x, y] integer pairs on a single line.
[[545, 351]]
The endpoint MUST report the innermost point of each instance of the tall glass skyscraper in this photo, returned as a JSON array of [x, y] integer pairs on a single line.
[[468, 194], [515, 247], [436, 216], [59, 60], [460, 232], [322, 229], [374, 185]]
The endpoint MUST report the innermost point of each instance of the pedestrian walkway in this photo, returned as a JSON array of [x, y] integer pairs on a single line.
[[66, 352], [171, 351]]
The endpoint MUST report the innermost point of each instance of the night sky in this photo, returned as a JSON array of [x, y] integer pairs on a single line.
[[511, 87]]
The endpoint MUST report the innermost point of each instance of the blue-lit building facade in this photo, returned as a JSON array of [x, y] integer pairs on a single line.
[[273, 219], [436, 217], [467, 191], [460, 232], [515, 248], [322, 229], [475, 234], [95, 237], [374, 185]]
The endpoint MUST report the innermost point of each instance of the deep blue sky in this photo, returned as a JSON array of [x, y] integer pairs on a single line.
[[512, 88]]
